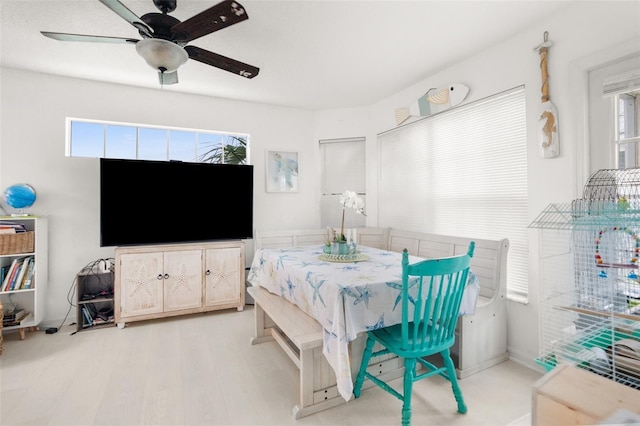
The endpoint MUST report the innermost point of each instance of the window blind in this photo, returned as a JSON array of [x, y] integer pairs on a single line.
[[621, 84], [342, 169], [462, 172]]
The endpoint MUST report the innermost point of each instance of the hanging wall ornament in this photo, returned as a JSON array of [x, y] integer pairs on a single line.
[[548, 118], [434, 101]]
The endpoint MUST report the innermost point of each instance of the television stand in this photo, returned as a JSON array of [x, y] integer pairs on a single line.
[[158, 281]]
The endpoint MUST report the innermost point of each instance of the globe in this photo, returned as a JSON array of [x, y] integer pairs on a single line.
[[20, 196]]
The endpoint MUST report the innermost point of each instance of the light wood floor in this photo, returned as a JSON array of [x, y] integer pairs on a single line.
[[202, 370]]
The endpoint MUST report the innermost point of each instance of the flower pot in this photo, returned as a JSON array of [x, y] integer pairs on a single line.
[[344, 248], [335, 247], [339, 247]]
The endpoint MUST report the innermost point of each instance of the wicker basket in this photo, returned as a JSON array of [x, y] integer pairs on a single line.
[[22, 242]]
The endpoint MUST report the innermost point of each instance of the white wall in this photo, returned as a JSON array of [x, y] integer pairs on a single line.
[[34, 107]]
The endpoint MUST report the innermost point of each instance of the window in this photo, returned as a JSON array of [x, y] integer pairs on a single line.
[[462, 172], [342, 169], [626, 129], [613, 120], [86, 138]]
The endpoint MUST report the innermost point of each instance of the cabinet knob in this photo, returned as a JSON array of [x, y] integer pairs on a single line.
[[159, 276], [166, 276], [208, 272]]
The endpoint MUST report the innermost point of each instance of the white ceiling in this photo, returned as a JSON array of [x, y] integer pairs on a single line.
[[311, 54]]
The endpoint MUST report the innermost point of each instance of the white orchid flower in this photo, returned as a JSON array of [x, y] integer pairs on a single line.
[[350, 199]]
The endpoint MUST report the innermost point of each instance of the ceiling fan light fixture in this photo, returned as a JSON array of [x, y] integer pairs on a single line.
[[161, 54]]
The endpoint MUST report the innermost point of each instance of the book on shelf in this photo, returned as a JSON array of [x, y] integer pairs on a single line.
[[28, 279], [11, 314], [14, 275], [17, 227], [3, 273], [17, 285], [17, 275], [7, 276], [6, 285], [27, 267], [98, 320], [88, 321], [17, 320]]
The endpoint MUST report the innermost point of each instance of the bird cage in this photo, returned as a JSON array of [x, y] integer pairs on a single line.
[[610, 187], [613, 184], [590, 292]]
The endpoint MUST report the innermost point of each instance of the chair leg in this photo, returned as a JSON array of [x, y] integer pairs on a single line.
[[409, 376], [451, 373], [366, 356]]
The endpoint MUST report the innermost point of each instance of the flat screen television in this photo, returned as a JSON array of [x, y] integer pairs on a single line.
[[162, 202]]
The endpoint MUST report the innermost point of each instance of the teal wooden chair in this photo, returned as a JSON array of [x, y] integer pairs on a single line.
[[431, 295]]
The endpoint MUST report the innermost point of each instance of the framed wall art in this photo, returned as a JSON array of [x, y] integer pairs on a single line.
[[282, 171]]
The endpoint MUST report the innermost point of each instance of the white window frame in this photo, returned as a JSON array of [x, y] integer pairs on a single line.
[[604, 80]]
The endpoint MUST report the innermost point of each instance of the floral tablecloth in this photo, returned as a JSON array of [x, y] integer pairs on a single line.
[[345, 298]]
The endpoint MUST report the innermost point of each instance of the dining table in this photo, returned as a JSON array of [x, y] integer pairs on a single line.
[[347, 294]]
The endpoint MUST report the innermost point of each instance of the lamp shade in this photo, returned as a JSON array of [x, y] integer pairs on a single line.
[[161, 54]]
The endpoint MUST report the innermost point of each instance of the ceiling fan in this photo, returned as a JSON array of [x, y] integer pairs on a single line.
[[164, 44]]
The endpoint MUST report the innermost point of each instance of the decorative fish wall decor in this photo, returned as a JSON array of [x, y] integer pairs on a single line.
[[434, 101]]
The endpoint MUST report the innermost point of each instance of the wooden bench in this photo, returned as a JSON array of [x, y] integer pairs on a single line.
[[293, 238], [371, 237], [481, 338], [300, 337]]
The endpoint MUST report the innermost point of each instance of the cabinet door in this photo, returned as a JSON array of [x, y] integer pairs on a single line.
[[141, 284], [222, 275], [182, 280]]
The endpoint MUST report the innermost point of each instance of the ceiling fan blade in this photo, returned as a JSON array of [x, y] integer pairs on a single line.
[[128, 16], [215, 18], [168, 77], [222, 62], [89, 38]]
